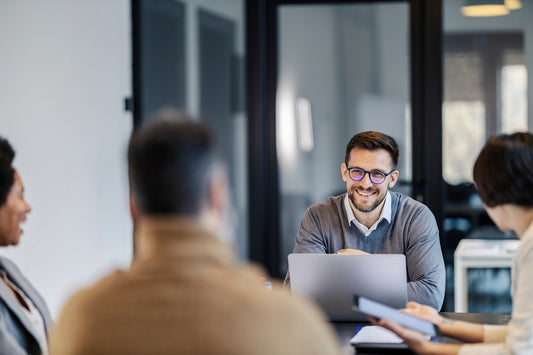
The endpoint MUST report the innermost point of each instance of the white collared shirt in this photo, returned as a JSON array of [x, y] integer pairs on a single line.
[[385, 214]]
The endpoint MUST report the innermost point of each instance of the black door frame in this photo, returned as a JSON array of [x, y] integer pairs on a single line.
[[261, 77]]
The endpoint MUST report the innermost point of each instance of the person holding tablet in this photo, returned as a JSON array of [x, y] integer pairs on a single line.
[[503, 173]]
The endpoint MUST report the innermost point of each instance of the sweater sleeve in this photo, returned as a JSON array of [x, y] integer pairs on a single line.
[[308, 240], [425, 264]]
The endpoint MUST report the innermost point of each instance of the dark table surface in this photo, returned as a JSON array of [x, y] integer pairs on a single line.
[[345, 330]]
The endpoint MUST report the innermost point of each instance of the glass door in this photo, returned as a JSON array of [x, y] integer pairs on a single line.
[[342, 69], [317, 73]]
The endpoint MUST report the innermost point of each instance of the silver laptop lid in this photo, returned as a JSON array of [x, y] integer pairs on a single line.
[[331, 280]]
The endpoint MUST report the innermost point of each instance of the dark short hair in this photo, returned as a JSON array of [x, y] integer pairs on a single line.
[[503, 171], [171, 160], [7, 172], [372, 140]]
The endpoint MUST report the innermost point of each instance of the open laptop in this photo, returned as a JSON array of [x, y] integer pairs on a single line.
[[331, 280]]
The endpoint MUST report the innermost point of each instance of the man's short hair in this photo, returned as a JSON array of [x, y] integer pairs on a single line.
[[503, 171], [7, 172], [171, 162], [372, 140]]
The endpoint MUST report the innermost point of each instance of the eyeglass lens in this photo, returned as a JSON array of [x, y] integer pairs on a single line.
[[375, 176]]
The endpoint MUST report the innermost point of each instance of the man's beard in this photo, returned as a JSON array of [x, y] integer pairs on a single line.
[[358, 207]]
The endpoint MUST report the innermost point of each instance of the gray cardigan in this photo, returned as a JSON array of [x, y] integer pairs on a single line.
[[16, 331], [412, 231]]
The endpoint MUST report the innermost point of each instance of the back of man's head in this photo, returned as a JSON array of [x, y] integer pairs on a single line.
[[171, 162]]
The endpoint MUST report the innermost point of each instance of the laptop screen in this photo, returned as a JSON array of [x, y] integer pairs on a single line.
[[331, 280]]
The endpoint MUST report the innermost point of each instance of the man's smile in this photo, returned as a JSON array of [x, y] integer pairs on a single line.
[[365, 193]]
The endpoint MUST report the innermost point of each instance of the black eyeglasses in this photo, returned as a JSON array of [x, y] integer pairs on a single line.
[[376, 176]]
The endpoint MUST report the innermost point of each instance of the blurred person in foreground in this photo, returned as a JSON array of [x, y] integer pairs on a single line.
[[503, 173], [24, 316], [185, 291]]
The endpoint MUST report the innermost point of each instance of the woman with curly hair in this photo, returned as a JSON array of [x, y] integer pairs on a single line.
[[24, 316]]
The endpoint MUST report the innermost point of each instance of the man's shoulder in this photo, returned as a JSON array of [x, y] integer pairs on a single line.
[[331, 204], [293, 306], [285, 317], [401, 202], [238, 291], [92, 297], [408, 210], [243, 282], [295, 312]]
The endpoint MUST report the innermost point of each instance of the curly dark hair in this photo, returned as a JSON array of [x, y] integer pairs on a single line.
[[7, 172]]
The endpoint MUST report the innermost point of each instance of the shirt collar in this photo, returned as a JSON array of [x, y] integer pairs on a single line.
[[385, 214]]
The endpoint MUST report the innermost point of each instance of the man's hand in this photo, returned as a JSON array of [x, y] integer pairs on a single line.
[[352, 252]]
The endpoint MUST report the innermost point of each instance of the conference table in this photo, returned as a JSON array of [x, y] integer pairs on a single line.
[[345, 330]]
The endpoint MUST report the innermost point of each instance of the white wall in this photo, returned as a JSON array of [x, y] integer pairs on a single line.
[[65, 68]]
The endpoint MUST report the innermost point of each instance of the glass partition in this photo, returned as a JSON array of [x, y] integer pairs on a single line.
[[190, 54], [342, 69]]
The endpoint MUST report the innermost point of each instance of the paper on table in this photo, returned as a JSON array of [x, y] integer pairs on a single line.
[[375, 334]]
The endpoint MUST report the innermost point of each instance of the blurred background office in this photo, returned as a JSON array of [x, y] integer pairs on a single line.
[[284, 83], [345, 68]]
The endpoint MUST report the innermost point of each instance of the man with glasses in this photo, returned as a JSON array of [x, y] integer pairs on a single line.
[[370, 219]]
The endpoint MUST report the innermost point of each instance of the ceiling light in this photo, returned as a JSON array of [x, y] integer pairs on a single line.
[[513, 4], [484, 8]]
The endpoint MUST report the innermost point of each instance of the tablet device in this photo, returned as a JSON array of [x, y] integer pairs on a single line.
[[379, 310]]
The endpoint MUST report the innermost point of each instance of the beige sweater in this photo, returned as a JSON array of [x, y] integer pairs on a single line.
[[185, 294]]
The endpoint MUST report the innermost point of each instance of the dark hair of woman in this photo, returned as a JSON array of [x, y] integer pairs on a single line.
[[503, 171]]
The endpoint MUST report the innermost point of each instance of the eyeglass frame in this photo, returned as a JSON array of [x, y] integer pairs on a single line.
[[369, 174]]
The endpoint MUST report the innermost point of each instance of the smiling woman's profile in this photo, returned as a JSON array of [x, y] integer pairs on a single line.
[[24, 316]]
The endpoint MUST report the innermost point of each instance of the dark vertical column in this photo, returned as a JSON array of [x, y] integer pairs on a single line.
[[426, 92], [261, 76], [136, 60], [158, 56], [136, 79]]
